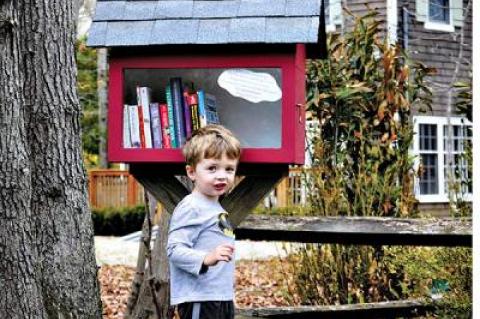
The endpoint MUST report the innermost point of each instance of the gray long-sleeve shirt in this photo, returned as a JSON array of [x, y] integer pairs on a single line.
[[195, 230]]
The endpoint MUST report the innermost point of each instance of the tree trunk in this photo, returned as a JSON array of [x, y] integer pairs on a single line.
[[47, 264]]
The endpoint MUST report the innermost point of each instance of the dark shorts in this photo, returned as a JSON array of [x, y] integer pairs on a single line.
[[206, 310]]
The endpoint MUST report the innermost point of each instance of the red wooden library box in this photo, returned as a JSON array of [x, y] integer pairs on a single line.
[[259, 92]]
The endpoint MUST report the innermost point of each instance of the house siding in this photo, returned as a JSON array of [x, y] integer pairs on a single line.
[[439, 50], [361, 7], [436, 49]]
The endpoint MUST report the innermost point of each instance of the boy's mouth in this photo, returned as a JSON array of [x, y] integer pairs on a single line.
[[220, 186]]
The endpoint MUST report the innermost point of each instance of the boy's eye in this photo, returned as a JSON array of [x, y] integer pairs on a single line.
[[212, 168], [230, 169]]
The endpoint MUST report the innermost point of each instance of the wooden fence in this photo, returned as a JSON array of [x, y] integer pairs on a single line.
[[446, 232], [117, 188], [113, 188]]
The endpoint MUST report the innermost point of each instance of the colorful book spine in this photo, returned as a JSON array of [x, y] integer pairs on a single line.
[[141, 126], [156, 125], [202, 114], [211, 109], [164, 123], [186, 113], [177, 95], [143, 98], [127, 141], [192, 100], [134, 126], [171, 116]]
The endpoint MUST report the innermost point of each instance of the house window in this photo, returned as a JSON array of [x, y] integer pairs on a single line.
[[456, 165], [439, 11], [439, 15], [440, 161], [333, 14]]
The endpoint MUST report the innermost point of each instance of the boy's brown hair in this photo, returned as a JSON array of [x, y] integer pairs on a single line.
[[211, 141]]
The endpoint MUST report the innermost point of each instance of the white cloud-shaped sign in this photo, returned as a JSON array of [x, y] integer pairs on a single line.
[[251, 86]]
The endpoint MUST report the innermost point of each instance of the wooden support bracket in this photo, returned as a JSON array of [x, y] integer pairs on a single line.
[[247, 194], [167, 189]]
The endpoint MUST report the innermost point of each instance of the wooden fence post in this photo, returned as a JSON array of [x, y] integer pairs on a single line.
[[92, 188], [131, 191], [282, 193]]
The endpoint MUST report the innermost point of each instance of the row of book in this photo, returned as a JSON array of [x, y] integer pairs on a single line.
[[169, 123]]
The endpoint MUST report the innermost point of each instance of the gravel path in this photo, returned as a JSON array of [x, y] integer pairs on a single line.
[[124, 250]]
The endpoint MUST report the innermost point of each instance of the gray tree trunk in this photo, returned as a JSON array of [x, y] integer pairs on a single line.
[[47, 264]]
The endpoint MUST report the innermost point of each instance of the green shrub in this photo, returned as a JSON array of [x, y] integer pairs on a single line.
[[118, 221]]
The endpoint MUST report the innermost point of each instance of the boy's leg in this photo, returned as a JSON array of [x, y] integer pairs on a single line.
[[185, 310], [206, 310], [217, 310]]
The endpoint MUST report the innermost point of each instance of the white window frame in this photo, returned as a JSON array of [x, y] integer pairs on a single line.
[[440, 122], [330, 26], [439, 26]]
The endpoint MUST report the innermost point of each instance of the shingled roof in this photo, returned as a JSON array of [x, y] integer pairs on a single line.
[[157, 22]]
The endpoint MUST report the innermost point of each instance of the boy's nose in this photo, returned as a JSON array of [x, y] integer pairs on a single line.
[[221, 175]]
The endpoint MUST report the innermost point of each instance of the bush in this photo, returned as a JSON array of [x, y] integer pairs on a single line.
[[118, 221]]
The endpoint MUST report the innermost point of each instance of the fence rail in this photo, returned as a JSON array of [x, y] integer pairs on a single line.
[[387, 309], [447, 232]]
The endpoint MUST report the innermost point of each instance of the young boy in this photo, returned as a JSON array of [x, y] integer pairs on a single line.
[[200, 240]]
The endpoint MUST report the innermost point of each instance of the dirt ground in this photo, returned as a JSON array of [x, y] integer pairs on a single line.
[[260, 283]]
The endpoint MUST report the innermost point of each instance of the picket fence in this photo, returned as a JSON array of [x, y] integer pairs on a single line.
[[117, 188]]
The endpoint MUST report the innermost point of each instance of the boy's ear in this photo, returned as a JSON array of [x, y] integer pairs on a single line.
[[190, 172]]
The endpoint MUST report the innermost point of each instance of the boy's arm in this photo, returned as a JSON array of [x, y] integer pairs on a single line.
[[185, 226]]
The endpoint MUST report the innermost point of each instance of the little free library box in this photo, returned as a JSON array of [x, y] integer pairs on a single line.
[[177, 65]]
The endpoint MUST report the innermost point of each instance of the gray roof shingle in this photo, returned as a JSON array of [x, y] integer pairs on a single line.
[[132, 23]]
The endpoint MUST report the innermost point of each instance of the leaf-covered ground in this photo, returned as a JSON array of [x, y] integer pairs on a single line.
[[258, 284]]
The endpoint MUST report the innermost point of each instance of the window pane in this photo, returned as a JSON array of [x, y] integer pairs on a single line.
[[458, 172], [428, 137], [429, 178], [439, 11], [327, 12], [461, 135]]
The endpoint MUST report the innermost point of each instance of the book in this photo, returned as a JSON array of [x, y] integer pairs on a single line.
[[141, 126], [192, 101], [143, 100], [177, 98], [127, 141], [202, 116], [171, 117], [211, 109], [134, 126], [164, 124], [207, 109], [156, 127], [186, 112]]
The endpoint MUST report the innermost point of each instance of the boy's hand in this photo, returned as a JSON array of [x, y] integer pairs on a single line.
[[221, 253]]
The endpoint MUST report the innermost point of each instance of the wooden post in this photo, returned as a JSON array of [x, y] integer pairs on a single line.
[[92, 188], [282, 193], [131, 191]]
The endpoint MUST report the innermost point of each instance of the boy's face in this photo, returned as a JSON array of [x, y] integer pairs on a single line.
[[213, 177]]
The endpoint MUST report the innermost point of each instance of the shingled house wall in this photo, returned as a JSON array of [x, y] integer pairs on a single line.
[[437, 49]]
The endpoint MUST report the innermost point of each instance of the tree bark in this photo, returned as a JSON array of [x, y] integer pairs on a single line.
[[47, 269]]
